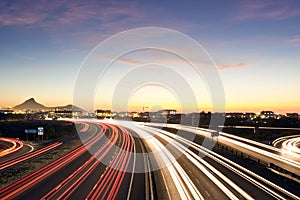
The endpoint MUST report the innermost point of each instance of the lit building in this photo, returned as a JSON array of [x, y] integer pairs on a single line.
[[6, 111], [134, 115], [292, 115], [167, 112], [267, 114], [104, 114]]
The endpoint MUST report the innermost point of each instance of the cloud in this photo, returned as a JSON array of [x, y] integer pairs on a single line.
[[53, 13], [20, 13], [28, 57], [134, 62], [126, 61], [108, 12], [295, 41], [277, 10], [25, 19], [84, 24], [239, 65]]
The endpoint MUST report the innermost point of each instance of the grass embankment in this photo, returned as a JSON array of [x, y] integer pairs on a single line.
[[15, 173], [54, 130]]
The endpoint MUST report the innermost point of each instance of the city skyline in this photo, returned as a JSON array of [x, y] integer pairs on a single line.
[[255, 46], [40, 107]]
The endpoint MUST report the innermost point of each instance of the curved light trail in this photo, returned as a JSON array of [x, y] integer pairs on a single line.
[[241, 171], [25, 183], [109, 183], [28, 156], [104, 168], [16, 145], [289, 144]]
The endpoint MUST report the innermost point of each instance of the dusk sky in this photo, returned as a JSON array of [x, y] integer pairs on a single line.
[[255, 45]]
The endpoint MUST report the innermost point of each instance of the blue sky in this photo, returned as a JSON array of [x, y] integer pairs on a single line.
[[255, 44]]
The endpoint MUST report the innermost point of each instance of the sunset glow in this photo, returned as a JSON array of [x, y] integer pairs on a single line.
[[255, 46]]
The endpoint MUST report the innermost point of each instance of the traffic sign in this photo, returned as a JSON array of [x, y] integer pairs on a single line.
[[40, 131], [30, 131]]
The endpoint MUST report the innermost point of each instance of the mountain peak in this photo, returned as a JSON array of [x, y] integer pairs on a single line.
[[30, 104], [31, 99]]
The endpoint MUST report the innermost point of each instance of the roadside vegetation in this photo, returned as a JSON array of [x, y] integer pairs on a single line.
[[15, 173], [53, 131]]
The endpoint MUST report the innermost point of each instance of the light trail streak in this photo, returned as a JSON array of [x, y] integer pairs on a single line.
[[25, 183], [110, 181], [200, 163], [84, 168], [186, 188], [87, 170], [241, 142], [16, 145], [292, 145], [289, 145], [235, 168], [28, 156]]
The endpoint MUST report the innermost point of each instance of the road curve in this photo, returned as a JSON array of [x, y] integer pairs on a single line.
[[10, 146], [126, 160]]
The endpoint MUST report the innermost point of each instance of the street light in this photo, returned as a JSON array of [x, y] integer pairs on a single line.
[[144, 108]]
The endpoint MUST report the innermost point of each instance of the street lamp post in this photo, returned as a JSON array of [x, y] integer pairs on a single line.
[[144, 107]]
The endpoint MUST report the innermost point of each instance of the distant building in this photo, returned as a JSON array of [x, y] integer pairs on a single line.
[[249, 115], [292, 115], [234, 115], [156, 117], [60, 114], [104, 114], [134, 115], [267, 114], [167, 112], [6, 111]]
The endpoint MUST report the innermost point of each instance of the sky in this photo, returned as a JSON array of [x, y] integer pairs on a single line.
[[255, 46]]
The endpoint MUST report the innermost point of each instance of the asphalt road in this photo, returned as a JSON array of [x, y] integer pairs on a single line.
[[25, 149], [133, 161], [89, 172]]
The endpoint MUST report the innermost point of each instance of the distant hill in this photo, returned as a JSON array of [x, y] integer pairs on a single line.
[[68, 107], [30, 104]]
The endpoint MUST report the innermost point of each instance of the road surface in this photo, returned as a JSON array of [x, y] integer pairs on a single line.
[[126, 160]]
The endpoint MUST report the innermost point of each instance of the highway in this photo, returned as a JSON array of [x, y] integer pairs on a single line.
[[127, 160], [27, 156], [226, 178], [19, 152], [12, 148], [80, 175], [289, 144], [264, 153], [9, 146]]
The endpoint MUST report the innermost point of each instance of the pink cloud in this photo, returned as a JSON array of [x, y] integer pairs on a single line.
[[130, 61], [239, 65], [20, 14], [126, 61], [267, 10], [53, 13], [78, 12], [295, 41]]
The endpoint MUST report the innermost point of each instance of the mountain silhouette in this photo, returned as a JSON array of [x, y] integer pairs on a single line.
[[68, 107], [31, 104]]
